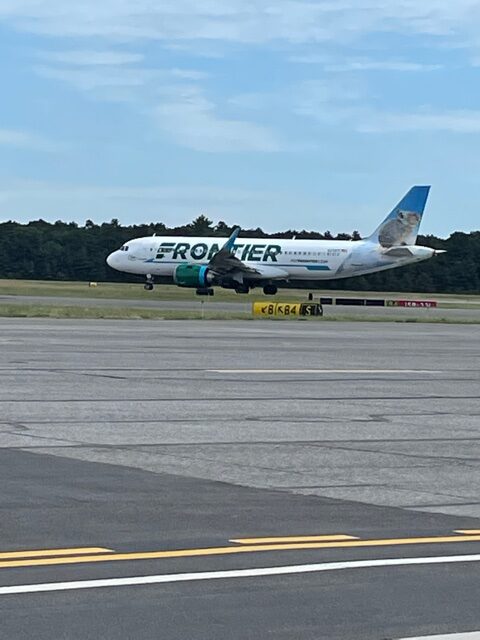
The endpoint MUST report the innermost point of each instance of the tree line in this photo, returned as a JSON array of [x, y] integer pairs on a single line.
[[41, 250]]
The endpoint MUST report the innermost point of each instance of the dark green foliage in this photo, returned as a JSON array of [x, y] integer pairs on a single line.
[[65, 251]]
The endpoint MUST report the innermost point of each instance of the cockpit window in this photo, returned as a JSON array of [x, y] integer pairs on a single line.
[[124, 247]]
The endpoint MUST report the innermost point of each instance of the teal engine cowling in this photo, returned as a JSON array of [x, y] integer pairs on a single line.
[[192, 275]]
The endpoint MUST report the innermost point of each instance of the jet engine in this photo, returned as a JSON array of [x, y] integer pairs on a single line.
[[193, 275]]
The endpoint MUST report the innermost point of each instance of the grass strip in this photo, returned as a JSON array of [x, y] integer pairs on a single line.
[[129, 291], [128, 313]]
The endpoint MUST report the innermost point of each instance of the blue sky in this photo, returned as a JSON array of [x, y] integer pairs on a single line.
[[286, 114]]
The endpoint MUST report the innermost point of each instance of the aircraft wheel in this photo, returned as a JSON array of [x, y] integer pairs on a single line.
[[148, 286], [270, 289]]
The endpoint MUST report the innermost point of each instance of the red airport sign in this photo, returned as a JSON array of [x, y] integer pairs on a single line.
[[428, 304]]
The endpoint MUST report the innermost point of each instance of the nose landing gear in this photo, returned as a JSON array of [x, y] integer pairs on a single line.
[[148, 286]]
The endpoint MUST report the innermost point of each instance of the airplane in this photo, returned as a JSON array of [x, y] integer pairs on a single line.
[[243, 264]]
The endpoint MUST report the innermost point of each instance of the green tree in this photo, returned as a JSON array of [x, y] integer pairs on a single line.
[[65, 250]]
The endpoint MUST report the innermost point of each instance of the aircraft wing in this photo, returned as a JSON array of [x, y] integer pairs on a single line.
[[225, 263]]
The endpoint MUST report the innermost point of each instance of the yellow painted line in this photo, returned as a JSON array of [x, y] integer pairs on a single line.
[[5, 555], [468, 532], [219, 551], [331, 538]]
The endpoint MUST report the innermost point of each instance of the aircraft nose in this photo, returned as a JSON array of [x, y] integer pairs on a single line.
[[112, 260]]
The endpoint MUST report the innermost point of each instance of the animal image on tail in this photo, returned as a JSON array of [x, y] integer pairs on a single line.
[[400, 230]]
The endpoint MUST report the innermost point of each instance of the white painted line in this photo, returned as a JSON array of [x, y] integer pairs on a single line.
[[383, 371], [471, 635], [236, 573]]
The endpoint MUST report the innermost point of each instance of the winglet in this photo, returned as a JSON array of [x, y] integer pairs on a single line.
[[228, 246]]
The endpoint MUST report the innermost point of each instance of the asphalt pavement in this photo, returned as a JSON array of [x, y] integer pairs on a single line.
[[140, 461]]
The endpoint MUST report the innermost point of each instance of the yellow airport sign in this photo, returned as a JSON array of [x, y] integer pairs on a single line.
[[264, 308], [286, 309]]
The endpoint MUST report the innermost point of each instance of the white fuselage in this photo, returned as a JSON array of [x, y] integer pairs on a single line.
[[273, 258]]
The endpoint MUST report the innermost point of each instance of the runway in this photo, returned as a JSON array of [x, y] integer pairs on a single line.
[[238, 480]]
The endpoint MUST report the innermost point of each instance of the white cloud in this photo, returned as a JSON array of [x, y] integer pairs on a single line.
[[188, 118], [128, 83], [311, 58], [326, 99], [363, 64], [243, 21], [453, 121], [254, 101], [85, 57], [346, 106], [188, 74], [199, 49], [183, 115], [90, 78], [26, 140], [382, 65]]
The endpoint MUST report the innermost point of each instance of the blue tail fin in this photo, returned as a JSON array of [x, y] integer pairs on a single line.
[[401, 225]]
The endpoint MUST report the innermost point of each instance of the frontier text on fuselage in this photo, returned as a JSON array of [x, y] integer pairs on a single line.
[[201, 251]]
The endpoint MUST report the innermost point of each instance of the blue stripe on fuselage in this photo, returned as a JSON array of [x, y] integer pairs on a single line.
[[310, 267]]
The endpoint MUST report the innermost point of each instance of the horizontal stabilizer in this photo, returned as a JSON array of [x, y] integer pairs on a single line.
[[411, 251], [398, 252]]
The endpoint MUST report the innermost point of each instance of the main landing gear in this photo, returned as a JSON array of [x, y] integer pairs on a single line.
[[270, 289], [242, 288], [148, 286], [208, 291]]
